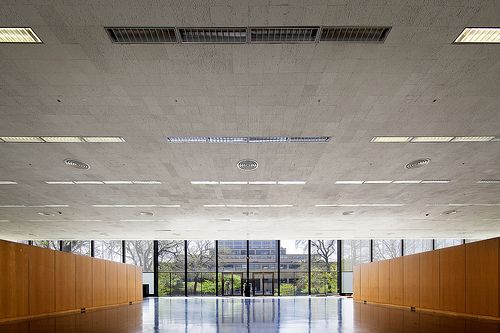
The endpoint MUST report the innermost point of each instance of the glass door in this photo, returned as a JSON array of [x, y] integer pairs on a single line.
[[232, 284], [263, 283]]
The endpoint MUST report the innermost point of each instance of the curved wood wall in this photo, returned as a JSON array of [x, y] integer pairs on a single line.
[[462, 279], [36, 281]]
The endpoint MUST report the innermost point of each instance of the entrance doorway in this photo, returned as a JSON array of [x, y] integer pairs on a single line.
[[232, 284], [263, 283]]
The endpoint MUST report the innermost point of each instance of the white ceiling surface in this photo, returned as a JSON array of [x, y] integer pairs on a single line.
[[350, 91]]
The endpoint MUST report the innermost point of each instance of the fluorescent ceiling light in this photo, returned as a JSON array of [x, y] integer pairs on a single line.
[[435, 181], [472, 138], [12, 206], [169, 206], [204, 182], [432, 139], [349, 182], [489, 181], [21, 139], [377, 182], [214, 206], [103, 139], [246, 139], [18, 35], [143, 221], [62, 139], [135, 206], [262, 183], [360, 205], [233, 183], [65, 220], [407, 182], [479, 35], [88, 182], [247, 206], [33, 206], [117, 182], [391, 139], [291, 182], [7, 182], [146, 182], [60, 182], [277, 206]]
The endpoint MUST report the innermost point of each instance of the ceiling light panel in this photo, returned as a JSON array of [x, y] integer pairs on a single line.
[[248, 206], [361, 205], [59, 139], [142, 35], [18, 35], [254, 139], [88, 182], [236, 35], [479, 35], [432, 139], [349, 182], [472, 138], [104, 182], [489, 181], [233, 183], [407, 182], [271, 182], [391, 139], [377, 182], [255, 182], [283, 34], [354, 34], [291, 182], [7, 182], [135, 206], [435, 181]]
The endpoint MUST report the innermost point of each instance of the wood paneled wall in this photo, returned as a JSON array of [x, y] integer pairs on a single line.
[[462, 279], [36, 281]]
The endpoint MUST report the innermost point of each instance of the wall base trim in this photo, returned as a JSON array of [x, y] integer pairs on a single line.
[[424, 310], [66, 312]]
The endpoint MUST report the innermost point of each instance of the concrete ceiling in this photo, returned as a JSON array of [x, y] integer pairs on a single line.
[[416, 83]]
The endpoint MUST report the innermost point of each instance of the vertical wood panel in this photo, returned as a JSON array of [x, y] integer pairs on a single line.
[[452, 279], [122, 284], [13, 280], [356, 283], [396, 287], [138, 280], [411, 280], [65, 281], [98, 282], [111, 283], [365, 282], [131, 294], [429, 280], [83, 282], [41, 280], [373, 282], [384, 281], [482, 277]]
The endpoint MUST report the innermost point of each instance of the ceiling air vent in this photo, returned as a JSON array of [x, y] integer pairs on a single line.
[[354, 34], [142, 35], [213, 35], [247, 165], [283, 34], [418, 163]]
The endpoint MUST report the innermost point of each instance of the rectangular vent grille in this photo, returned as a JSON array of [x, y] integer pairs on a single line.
[[283, 35], [213, 35], [142, 35], [354, 34]]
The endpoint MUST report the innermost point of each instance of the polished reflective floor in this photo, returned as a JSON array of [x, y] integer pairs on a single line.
[[294, 314]]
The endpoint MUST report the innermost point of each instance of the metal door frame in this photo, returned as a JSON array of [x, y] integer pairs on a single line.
[[263, 277]]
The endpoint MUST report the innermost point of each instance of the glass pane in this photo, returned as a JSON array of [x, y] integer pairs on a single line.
[[412, 246], [109, 250], [323, 267], [140, 253], [171, 268], [77, 246], [264, 267], [354, 252], [386, 249], [201, 268], [442, 243], [48, 244], [23, 242], [294, 267]]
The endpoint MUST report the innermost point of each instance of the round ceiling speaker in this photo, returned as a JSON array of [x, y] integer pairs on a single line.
[[76, 164], [418, 163], [247, 165]]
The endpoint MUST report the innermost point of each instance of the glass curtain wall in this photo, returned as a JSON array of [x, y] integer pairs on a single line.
[[442, 243], [171, 275], [294, 267], [201, 268], [323, 267], [109, 250], [354, 252], [264, 267], [47, 244], [413, 246], [386, 249], [140, 253], [77, 246], [232, 267]]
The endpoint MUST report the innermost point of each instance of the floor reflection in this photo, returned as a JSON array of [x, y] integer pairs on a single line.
[[294, 314]]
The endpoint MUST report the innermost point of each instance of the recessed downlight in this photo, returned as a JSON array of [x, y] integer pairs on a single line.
[[76, 164], [418, 163]]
